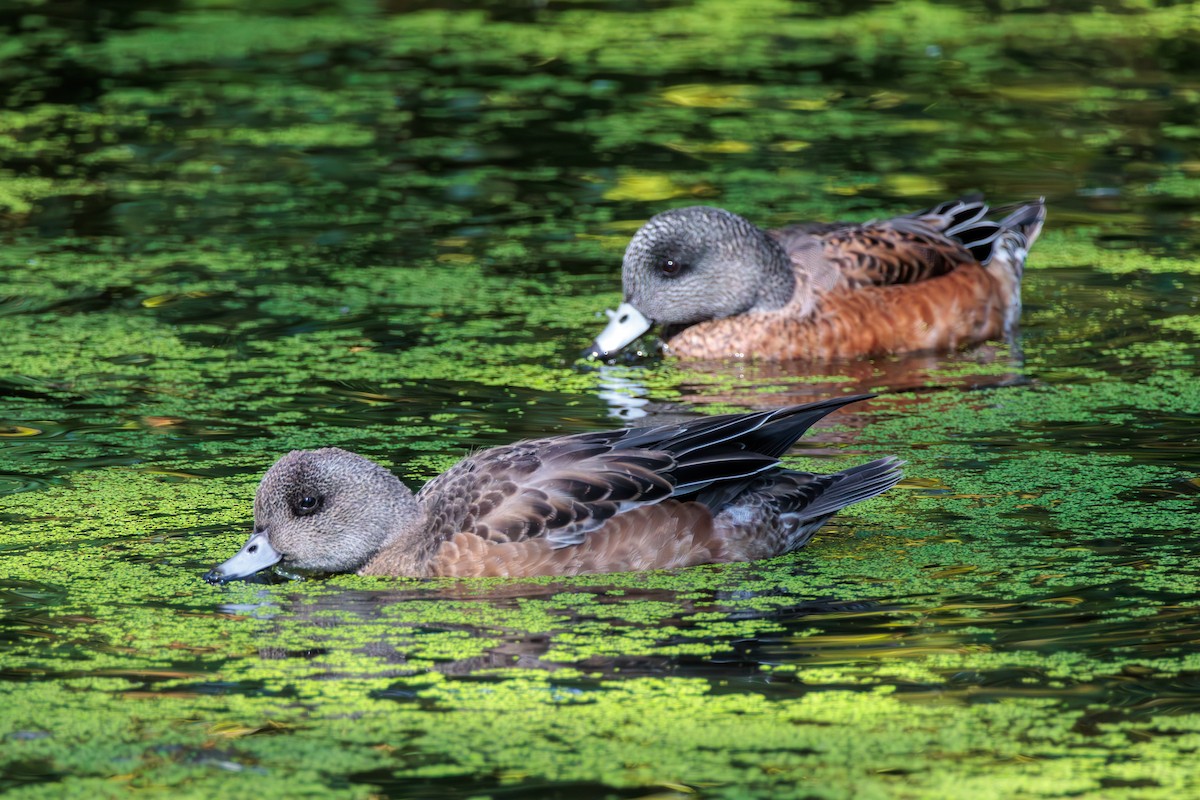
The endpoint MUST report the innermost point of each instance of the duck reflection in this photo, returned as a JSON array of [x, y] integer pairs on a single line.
[[728, 636], [771, 384], [675, 618]]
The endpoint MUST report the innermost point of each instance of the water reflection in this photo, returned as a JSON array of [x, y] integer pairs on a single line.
[[597, 607], [1088, 648], [768, 384]]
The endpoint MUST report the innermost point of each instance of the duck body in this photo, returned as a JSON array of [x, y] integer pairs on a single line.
[[703, 491], [722, 288]]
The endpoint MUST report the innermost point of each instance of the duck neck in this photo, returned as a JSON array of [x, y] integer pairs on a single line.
[[408, 545], [777, 281], [393, 532]]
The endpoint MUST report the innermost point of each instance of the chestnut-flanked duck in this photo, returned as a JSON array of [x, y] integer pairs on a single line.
[[720, 287], [702, 491]]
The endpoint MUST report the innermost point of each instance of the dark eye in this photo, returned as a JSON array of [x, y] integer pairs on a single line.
[[670, 267], [308, 505]]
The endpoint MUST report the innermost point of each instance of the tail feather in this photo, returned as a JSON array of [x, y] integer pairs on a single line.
[[707, 451], [784, 427], [770, 433], [965, 221], [1019, 230], [1027, 220], [779, 512], [829, 494], [730, 464], [844, 489], [957, 216]]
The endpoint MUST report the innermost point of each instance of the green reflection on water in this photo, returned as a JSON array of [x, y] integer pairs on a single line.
[[391, 229]]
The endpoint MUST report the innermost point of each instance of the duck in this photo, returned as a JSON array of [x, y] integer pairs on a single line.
[[708, 490], [720, 287]]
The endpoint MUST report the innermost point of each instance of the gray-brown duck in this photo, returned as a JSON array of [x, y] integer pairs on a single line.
[[702, 491], [721, 287]]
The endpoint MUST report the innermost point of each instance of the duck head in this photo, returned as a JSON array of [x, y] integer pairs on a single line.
[[691, 265], [326, 510]]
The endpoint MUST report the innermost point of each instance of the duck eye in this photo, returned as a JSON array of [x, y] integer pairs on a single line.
[[308, 505], [670, 267]]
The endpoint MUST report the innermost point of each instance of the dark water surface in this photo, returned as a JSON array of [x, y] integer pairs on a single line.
[[390, 226]]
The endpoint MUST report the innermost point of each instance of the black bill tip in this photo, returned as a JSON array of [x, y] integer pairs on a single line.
[[216, 578]]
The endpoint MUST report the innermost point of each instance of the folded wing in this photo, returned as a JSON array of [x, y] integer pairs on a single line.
[[916, 247], [564, 488]]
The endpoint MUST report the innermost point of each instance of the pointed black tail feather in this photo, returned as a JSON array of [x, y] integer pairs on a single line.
[[828, 494], [713, 463], [771, 433], [717, 458], [818, 500], [777, 435], [1027, 220], [768, 432]]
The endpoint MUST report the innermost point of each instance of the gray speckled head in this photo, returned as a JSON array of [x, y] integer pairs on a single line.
[[694, 264], [325, 510], [699, 263]]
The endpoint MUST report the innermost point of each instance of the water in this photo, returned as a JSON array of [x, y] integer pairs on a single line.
[[392, 226]]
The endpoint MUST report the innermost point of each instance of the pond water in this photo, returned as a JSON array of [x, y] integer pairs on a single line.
[[391, 226]]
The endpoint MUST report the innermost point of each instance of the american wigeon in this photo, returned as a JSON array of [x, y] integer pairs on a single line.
[[721, 287], [702, 491]]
